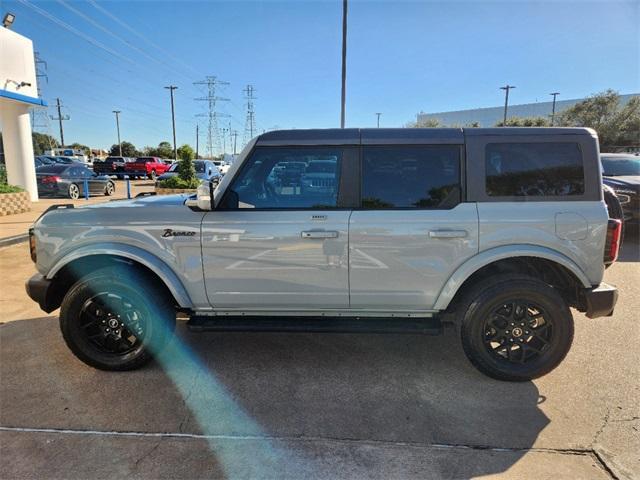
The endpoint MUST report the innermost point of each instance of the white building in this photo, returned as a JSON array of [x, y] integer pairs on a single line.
[[18, 93]]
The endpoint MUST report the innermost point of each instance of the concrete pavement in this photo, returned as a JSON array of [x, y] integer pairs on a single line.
[[247, 405]]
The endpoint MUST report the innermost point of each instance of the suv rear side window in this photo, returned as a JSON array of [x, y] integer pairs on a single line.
[[290, 177], [411, 176], [533, 169]]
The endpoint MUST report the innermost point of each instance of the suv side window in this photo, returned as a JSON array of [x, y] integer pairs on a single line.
[[289, 177], [411, 176], [533, 169]]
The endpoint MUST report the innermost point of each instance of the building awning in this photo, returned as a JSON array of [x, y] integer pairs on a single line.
[[22, 98]]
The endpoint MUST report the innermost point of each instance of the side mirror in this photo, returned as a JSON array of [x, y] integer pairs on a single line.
[[204, 197]]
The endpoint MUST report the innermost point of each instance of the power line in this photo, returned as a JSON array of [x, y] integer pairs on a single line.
[[211, 82], [132, 30], [250, 121], [68, 27]]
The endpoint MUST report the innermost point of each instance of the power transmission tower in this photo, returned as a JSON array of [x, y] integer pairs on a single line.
[[60, 118], [250, 122], [213, 133], [39, 118], [235, 139]]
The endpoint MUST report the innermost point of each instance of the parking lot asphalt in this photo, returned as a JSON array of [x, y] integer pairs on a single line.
[[280, 405]]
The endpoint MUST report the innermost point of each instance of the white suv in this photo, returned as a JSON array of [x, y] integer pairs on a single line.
[[500, 231]]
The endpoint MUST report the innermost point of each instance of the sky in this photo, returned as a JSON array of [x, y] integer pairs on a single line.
[[402, 58]]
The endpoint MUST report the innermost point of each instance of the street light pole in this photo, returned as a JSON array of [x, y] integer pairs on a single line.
[[506, 89], [117, 112], [171, 88], [197, 140], [344, 62], [553, 108], [378, 114]]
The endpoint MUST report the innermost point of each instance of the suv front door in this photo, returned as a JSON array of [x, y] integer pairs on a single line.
[[278, 240], [412, 230]]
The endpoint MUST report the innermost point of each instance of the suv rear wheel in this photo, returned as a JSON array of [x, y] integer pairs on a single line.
[[110, 323], [515, 327]]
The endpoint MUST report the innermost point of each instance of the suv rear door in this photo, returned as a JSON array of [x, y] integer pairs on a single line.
[[412, 229], [276, 243]]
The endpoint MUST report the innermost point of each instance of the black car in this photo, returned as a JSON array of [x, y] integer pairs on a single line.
[[205, 170], [621, 171], [69, 181], [112, 166], [42, 160]]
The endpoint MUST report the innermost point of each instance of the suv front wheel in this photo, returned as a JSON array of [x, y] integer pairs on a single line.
[[110, 323], [515, 327]]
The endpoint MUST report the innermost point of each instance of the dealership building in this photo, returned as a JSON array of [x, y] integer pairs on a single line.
[[489, 117]]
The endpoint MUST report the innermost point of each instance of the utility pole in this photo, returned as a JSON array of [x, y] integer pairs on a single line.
[[60, 118], [235, 139], [378, 114], [213, 132], [250, 122], [171, 88], [197, 140], [117, 112], [344, 63], [553, 108], [506, 89]]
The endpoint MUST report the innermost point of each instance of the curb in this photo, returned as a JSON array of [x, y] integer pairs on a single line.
[[5, 242]]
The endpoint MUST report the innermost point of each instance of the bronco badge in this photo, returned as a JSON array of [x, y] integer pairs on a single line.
[[176, 233]]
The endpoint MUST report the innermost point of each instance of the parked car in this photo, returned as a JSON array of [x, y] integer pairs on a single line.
[[621, 172], [146, 167], [69, 181], [41, 160], [64, 160], [205, 170], [112, 166], [499, 231]]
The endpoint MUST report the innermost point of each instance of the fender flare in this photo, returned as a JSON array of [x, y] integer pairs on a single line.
[[136, 254], [486, 257]]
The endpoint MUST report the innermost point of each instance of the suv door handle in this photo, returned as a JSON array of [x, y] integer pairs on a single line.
[[319, 234], [448, 233]]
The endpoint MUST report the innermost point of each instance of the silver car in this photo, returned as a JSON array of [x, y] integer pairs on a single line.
[[499, 231]]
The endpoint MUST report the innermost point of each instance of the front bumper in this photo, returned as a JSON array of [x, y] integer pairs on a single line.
[[600, 301], [40, 289]]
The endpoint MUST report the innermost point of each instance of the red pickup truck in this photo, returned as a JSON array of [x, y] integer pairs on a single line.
[[146, 167]]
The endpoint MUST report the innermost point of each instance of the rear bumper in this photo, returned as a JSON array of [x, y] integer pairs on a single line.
[[40, 290], [600, 301]]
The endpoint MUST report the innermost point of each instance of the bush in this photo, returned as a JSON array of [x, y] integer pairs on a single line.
[[4, 186], [177, 182]]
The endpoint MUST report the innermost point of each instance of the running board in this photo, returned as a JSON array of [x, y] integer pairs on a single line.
[[424, 326]]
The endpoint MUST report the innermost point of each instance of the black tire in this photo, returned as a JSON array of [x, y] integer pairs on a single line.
[[98, 301], [530, 348], [109, 189], [73, 192]]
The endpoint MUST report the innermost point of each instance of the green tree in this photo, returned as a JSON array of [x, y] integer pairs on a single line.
[[525, 122], [128, 150], [43, 142], [424, 123], [79, 146], [164, 150], [186, 170], [617, 126]]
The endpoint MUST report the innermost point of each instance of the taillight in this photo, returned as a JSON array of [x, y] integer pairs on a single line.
[[52, 179], [612, 243], [32, 245]]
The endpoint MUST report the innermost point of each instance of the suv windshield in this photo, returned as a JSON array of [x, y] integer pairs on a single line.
[[621, 166]]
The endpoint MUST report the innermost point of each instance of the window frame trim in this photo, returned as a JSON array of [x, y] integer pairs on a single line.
[[461, 174]]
